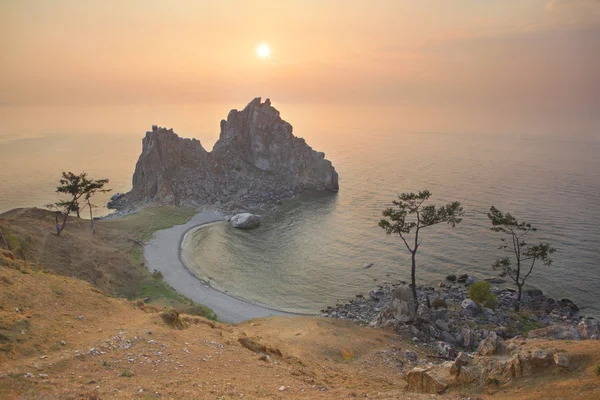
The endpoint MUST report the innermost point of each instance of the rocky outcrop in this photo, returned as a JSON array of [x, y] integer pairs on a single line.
[[256, 161]]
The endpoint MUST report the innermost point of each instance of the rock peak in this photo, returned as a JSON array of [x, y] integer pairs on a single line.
[[257, 161]]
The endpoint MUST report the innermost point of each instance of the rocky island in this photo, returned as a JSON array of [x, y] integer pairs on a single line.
[[256, 162]]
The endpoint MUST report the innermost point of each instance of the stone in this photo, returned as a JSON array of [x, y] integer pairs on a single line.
[[460, 361], [467, 337], [256, 161], [424, 313], [533, 293], [469, 374], [491, 345], [495, 281], [588, 328], [563, 361], [542, 358], [469, 308], [426, 380], [558, 332], [444, 349], [569, 303], [410, 356], [470, 281], [245, 221], [451, 278], [402, 304], [442, 325], [462, 278]]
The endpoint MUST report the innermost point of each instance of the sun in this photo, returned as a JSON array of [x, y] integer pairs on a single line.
[[263, 50]]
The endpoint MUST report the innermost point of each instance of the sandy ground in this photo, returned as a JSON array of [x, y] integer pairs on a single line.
[[162, 253]]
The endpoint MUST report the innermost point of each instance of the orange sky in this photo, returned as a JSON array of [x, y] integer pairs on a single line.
[[539, 55]]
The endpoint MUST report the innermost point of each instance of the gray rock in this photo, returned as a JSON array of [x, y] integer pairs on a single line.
[[588, 328], [256, 158], [451, 278], [462, 278], [245, 221]]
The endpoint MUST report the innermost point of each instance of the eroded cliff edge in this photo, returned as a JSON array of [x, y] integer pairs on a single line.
[[257, 161]]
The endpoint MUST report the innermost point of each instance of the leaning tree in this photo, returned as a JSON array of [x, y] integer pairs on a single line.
[[524, 254], [409, 215], [76, 187]]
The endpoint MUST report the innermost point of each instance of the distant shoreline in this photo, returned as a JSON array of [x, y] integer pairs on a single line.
[[163, 253]]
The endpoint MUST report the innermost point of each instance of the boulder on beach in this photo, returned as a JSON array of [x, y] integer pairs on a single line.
[[245, 221]]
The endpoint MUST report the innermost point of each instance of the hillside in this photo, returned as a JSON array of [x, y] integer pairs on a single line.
[[64, 338]]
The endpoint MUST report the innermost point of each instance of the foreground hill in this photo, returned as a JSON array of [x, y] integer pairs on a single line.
[[64, 338]]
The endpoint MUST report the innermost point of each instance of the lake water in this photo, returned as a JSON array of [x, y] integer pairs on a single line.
[[309, 253]]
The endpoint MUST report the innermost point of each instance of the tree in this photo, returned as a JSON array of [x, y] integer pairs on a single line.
[[410, 215], [91, 189], [76, 186], [525, 255]]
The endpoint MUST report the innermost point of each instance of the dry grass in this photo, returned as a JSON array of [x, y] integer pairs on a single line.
[[111, 259]]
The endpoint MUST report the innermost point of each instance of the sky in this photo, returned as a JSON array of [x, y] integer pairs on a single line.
[[511, 57]]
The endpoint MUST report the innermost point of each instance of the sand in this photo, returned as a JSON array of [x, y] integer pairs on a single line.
[[163, 253]]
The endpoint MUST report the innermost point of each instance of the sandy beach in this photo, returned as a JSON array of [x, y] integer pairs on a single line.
[[162, 253]]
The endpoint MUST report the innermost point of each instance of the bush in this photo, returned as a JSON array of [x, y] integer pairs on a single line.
[[481, 293], [597, 369]]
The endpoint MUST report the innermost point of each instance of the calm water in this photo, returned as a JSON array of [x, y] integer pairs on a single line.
[[310, 252]]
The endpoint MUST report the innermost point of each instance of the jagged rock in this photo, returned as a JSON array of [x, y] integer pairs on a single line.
[[491, 345], [427, 380], [462, 278], [256, 160], [563, 361], [461, 360], [588, 328], [559, 332], [245, 221]]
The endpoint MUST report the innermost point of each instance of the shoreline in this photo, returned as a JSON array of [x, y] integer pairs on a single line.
[[163, 253]]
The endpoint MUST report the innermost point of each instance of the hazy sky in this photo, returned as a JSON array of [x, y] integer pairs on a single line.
[[542, 56]]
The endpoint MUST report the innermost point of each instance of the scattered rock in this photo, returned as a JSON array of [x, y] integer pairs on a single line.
[[563, 361], [410, 356], [462, 278], [451, 278], [588, 328]]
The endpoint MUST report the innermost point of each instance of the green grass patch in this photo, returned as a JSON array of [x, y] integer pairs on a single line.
[[597, 369], [146, 221], [127, 373], [529, 325]]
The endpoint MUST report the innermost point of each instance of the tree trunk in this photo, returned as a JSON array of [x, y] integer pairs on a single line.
[[520, 291], [64, 222], [91, 218], [77, 209], [414, 281]]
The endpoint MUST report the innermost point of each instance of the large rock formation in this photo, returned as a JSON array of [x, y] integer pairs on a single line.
[[256, 161]]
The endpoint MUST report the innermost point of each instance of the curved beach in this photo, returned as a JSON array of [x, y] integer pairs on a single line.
[[162, 253]]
